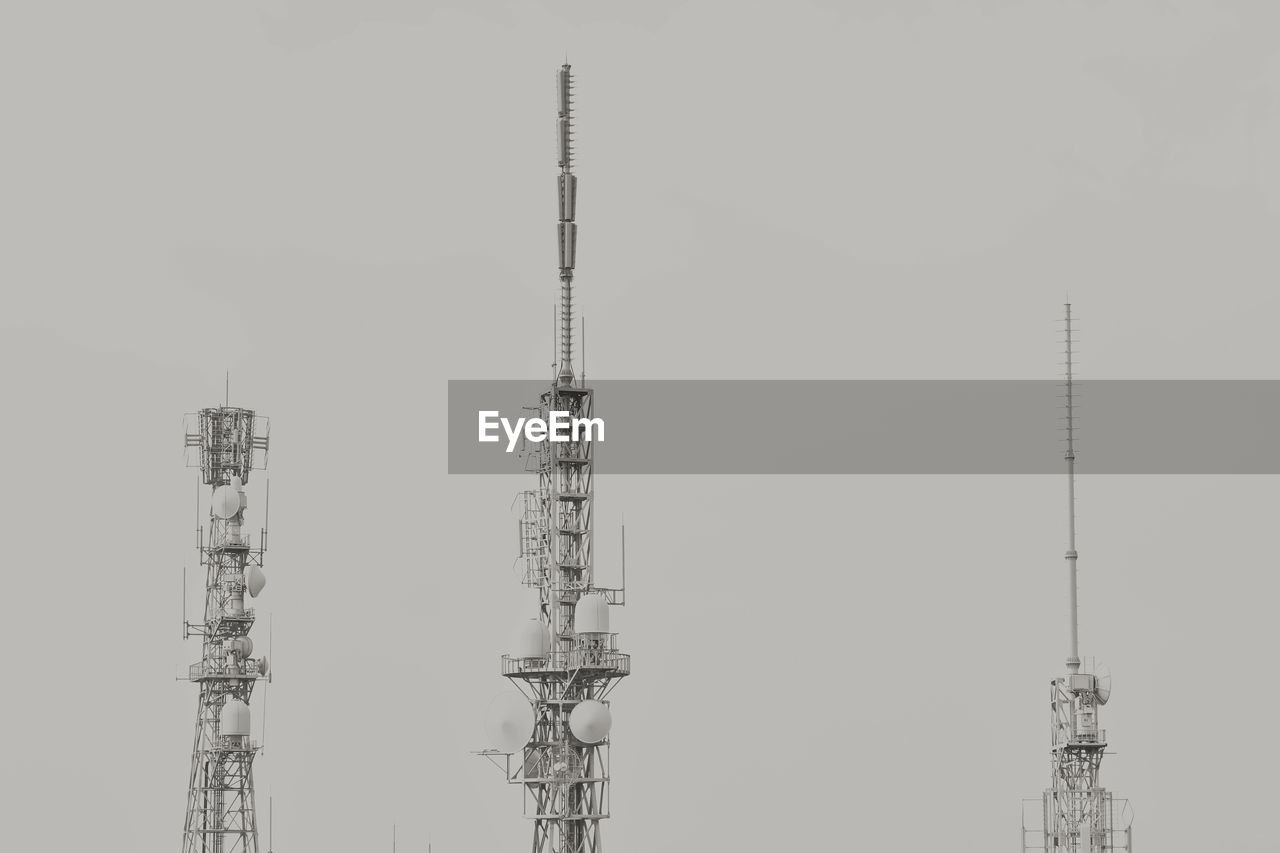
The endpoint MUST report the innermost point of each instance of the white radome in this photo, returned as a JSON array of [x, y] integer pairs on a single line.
[[263, 669], [591, 614], [590, 721], [531, 639], [226, 502], [233, 720], [510, 722], [256, 581], [242, 646]]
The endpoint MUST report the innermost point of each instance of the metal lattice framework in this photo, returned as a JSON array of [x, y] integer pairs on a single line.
[[1077, 815], [221, 815], [565, 779]]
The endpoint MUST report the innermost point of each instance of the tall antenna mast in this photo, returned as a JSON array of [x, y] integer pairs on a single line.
[[568, 228], [1076, 814], [221, 815], [554, 739], [1073, 653]]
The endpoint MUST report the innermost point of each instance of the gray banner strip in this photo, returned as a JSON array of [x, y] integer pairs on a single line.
[[895, 427]]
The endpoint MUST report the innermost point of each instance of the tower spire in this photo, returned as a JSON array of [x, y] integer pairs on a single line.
[[1073, 651], [1076, 814], [568, 229]]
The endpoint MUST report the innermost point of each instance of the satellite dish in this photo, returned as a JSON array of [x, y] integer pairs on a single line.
[[226, 502], [263, 669], [242, 646], [256, 581], [1102, 678], [590, 721], [510, 723]]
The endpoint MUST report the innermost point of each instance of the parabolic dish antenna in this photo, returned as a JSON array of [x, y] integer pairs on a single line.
[[226, 502], [256, 581], [510, 722], [590, 721], [1102, 676], [263, 667], [242, 645]]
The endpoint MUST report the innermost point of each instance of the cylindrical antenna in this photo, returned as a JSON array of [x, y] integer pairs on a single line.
[[1073, 653], [266, 516], [266, 694], [568, 229]]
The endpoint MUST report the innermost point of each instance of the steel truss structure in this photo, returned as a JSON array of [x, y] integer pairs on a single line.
[[1077, 815], [565, 779], [221, 815]]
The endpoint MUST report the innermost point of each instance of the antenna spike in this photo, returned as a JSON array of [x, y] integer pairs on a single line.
[[1073, 653], [567, 228]]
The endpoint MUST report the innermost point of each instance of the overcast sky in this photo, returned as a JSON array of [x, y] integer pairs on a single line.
[[348, 203]]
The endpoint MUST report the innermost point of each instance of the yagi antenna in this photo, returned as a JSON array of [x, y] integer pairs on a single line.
[[1073, 654]]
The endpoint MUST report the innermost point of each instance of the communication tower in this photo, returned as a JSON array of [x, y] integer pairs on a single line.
[[221, 817], [1078, 815], [553, 737]]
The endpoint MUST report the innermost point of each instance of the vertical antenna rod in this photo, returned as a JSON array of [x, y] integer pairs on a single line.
[[568, 229], [1073, 653]]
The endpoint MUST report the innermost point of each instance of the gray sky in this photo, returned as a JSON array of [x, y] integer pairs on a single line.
[[347, 204]]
